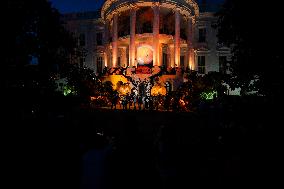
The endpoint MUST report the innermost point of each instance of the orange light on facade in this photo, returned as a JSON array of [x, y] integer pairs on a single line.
[[124, 90], [93, 98], [182, 102], [190, 65], [158, 90], [105, 59]]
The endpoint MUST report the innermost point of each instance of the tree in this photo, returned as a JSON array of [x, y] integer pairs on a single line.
[[35, 48], [34, 40], [197, 85], [83, 80], [253, 32]]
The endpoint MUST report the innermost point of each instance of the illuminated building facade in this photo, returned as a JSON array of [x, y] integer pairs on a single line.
[[143, 35]]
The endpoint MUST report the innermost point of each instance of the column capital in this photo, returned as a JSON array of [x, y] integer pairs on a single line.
[[188, 18], [176, 10], [155, 5], [133, 7], [193, 20], [115, 13]]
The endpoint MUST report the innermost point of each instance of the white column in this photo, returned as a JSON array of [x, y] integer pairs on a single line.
[[114, 41], [105, 59], [189, 60], [192, 53], [160, 55], [123, 57], [172, 57], [156, 23], [105, 40], [177, 38], [132, 37]]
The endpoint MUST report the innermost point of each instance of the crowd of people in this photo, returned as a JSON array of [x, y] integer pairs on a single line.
[[139, 102]]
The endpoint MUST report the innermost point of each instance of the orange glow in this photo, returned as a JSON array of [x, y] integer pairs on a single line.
[[105, 57], [114, 79], [182, 103], [158, 90], [191, 60], [190, 64], [124, 90], [93, 98]]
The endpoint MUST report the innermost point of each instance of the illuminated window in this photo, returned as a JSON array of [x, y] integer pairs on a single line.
[[202, 35], [222, 64], [201, 64], [99, 64]]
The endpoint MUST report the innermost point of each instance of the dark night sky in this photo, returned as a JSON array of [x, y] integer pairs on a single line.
[[66, 6]]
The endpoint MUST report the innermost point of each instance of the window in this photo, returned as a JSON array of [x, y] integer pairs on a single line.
[[147, 27], [82, 62], [165, 57], [183, 33], [222, 64], [182, 61], [164, 29], [33, 60], [118, 62], [99, 38], [82, 39], [201, 64], [99, 64], [202, 35]]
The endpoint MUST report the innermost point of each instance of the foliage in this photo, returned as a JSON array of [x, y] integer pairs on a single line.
[[86, 83], [37, 47], [35, 30], [69, 90], [254, 42], [197, 85], [83, 80]]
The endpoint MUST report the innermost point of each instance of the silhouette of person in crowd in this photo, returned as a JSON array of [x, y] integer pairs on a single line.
[[114, 101]]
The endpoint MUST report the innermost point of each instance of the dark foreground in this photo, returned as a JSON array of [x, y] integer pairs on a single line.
[[232, 147]]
